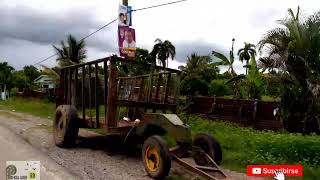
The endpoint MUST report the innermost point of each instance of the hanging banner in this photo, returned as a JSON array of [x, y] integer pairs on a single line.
[[127, 41], [124, 18]]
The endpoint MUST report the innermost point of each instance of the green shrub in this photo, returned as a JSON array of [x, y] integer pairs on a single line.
[[219, 87], [244, 146]]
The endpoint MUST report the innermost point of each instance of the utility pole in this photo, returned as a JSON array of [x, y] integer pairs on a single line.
[[125, 2]]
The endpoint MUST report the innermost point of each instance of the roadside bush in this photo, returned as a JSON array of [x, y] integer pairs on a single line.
[[219, 87], [244, 146]]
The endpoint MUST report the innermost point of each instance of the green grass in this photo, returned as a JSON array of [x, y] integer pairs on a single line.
[[244, 146], [270, 99], [34, 106]]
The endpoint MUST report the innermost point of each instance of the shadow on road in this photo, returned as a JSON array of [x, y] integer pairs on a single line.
[[111, 145]]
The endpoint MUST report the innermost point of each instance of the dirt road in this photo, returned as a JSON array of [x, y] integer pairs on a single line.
[[13, 148], [94, 157]]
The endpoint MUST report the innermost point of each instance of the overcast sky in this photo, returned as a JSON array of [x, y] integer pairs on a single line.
[[28, 28]]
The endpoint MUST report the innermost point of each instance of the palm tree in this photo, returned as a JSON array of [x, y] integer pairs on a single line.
[[163, 50], [225, 61], [297, 46], [271, 63], [72, 53], [246, 53], [194, 63]]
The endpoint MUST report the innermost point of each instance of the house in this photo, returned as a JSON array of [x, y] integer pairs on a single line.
[[4, 94], [45, 82]]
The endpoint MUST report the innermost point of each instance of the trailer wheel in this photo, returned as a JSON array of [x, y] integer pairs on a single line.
[[209, 145], [65, 128], [156, 157]]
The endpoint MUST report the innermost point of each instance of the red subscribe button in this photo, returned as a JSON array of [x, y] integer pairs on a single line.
[[269, 170]]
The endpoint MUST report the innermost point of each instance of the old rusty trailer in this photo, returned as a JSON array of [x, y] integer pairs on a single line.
[[92, 95]]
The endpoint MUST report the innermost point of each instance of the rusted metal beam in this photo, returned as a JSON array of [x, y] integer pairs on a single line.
[[121, 60], [147, 105], [192, 168]]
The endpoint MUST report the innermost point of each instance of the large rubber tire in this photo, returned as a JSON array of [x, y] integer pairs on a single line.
[[210, 146], [65, 127], [156, 157]]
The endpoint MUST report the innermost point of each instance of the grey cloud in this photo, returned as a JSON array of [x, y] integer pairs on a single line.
[[263, 17], [25, 23], [184, 49]]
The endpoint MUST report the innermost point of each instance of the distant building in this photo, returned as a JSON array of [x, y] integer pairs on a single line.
[[45, 82], [4, 94]]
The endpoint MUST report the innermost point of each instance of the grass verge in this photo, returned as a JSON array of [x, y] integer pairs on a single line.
[[34, 106], [244, 146]]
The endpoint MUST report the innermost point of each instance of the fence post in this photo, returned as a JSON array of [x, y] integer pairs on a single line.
[[254, 115]]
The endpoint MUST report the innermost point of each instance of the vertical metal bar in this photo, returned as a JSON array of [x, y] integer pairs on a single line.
[[61, 88], [112, 92], [69, 86], [83, 94], [167, 88], [141, 87], [157, 90], [96, 86], [158, 87], [75, 85], [105, 69], [65, 90], [177, 93], [90, 103]]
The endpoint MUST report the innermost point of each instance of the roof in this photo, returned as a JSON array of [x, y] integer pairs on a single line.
[[41, 76]]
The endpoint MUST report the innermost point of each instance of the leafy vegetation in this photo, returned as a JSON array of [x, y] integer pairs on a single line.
[[197, 75], [73, 52], [296, 46], [244, 146], [34, 106]]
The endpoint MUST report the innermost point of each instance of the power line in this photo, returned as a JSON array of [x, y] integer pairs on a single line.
[[159, 5], [104, 26]]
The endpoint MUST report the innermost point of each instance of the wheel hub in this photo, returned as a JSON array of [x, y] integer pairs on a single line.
[[152, 158]]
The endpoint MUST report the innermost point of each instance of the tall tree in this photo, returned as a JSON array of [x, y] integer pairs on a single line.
[[197, 75], [297, 45], [163, 50], [31, 72], [73, 52], [246, 53], [6, 74], [225, 61]]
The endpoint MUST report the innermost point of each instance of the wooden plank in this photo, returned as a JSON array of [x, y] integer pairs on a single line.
[[96, 87], [105, 77], [167, 88], [112, 93], [75, 92], [83, 94], [90, 101]]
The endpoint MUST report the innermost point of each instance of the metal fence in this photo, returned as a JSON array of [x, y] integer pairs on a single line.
[[258, 114]]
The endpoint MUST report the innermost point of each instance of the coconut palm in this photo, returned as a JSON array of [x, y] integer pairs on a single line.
[[297, 45], [73, 52], [246, 53], [225, 61], [163, 50]]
